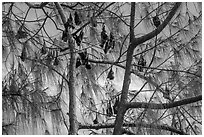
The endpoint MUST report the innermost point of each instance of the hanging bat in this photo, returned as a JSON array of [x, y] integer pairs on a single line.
[[23, 54], [156, 21], [115, 106], [141, 63], [69, 23], [79, 38], [109, 110], [96, 120], [78, 62], [84, 57], [64, 36], [104, 37], [77, 19], [56, 60], [110, 74]]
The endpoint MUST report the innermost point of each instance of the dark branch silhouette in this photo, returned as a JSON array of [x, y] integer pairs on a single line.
[[163, 105], [153, 126]]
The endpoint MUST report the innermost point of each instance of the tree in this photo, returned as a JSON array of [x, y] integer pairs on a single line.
[[101, 68]]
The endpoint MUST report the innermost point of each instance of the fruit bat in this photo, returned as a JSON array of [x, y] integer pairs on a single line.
[[88, 66], [77, 19], [110, 74], [166, 93], [107, 47], [78, 62], [64, 36], [69, 23], [104, 37], [47, 132], [95, 120], [21, 34], [81, 35], [93, 21], [112, 41], [56, 62], [23, 54], [109, 110], [141, 63], [43, 50], [78, 42], [84, 57], [156, 21], [115, 106], [79, 38]]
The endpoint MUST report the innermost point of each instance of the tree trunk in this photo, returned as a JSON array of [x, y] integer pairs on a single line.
[[72, 93], [127, 78]]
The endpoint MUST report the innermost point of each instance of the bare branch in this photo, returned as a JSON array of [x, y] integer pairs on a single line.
[[72, 91], [37, 6], [163, 105], [127, 78], [61, 12], [111, 125]]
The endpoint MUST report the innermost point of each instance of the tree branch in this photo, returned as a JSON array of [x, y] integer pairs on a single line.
[[127, 78], [163, 105], [61, 12], [145, 125], [37, 6], [71, 84], [128, 132]]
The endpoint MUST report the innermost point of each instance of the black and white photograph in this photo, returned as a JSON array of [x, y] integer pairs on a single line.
[[101, 68]]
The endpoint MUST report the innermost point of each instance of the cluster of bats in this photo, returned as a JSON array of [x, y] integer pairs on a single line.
[[141, 63], [107, 43], [110, 110]]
